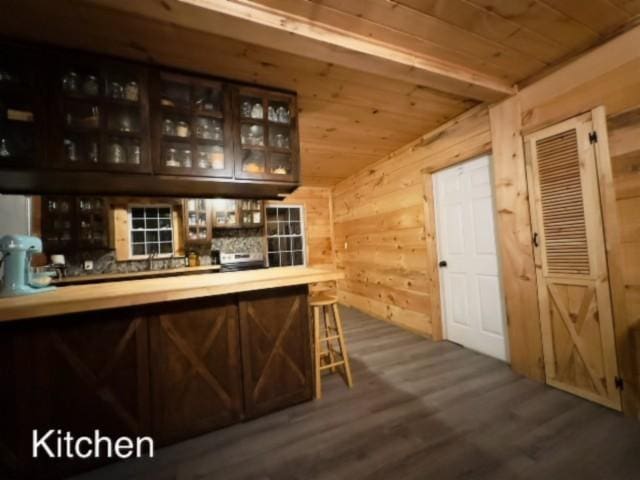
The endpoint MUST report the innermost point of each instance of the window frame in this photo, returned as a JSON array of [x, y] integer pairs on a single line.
[[302, 235], [130, 230]]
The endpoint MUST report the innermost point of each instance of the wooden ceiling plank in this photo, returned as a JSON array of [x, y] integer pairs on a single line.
[[427, 28], [601, 16], [242, 19], [361, 25], [488, 24], [630, 6], [544, 20]]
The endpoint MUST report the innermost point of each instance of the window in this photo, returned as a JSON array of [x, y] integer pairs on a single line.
[[285, 236], [151, 230]]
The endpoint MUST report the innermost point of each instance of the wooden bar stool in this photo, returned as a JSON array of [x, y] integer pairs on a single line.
[[325, 334]]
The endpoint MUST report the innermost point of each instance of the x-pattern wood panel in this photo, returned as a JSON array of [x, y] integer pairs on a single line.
[[196, 359], [98, 382], [276, 349], [574, 328]]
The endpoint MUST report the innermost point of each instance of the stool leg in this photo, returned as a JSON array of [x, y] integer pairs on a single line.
[[326, 320], [317, 349], [343, 346]]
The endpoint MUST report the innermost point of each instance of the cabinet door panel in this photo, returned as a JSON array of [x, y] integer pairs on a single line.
[[87, 371], [195, 367], [275, 349]]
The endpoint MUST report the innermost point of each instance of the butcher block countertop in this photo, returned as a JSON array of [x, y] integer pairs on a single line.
[[82, 298]]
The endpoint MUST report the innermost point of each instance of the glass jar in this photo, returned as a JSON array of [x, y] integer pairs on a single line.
[[116, 153], [203, 160], [131, 91], [217, 158], [117, 92], [134, 155], [257, 111], [93, 152], [171, 159], [70, 82], [90, 85], [182, 129], [125, 123], [168, 127], [246, 109], [282, 114], [70, 150], [271, 113], [203, 129], [186, 159], [217, 132], [4, 150]]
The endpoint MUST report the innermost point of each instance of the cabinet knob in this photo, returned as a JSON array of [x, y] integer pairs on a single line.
[[442, 263]]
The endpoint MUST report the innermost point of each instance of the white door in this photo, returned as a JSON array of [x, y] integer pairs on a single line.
[[472, 300]]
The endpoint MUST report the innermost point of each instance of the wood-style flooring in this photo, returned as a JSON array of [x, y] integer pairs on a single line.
[[418, 410]]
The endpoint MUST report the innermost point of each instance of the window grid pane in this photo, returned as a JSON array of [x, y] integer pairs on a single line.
[[151, 230], [285, 236]]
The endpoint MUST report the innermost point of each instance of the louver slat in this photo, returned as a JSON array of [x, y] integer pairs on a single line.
[[565, 236]]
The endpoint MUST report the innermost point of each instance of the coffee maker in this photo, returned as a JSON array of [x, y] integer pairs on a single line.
[[16, 251]]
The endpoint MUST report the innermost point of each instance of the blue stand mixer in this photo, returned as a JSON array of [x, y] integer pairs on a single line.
[[16, 253]]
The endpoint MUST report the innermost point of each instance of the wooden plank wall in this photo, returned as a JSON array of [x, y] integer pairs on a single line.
[[608, 77], [318, 223], [624, 144], [380, 236]]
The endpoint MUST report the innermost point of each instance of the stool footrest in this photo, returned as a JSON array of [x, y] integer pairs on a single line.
[[332, 337], [331, 365]]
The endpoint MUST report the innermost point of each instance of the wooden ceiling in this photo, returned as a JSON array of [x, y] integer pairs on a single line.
[[371, 75]]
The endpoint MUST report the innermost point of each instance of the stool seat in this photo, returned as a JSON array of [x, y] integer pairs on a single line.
[[321, 299]]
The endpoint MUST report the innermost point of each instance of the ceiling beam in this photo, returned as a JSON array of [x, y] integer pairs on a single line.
[[251, 22]]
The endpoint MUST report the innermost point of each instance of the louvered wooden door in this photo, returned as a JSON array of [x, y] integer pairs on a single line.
[[573, 284]]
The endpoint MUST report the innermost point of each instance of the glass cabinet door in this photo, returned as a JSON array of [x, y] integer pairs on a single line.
[[58, 224], [92, 222], [267, 135], [191, 127], [197, 220], [103, 115], [225, 213], [251, 213], [20, 108]]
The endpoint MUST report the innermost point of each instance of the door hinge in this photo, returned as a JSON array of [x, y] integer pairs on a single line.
[[619, 383], [593, 137]]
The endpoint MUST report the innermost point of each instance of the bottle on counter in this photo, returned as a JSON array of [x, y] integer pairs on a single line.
[[194, 260]]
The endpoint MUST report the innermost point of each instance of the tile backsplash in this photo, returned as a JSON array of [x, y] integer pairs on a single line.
[[104, 261], [238, 240], [229, 241]]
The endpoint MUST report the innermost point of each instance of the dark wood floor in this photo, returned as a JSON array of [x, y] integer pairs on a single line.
[[418, 410]]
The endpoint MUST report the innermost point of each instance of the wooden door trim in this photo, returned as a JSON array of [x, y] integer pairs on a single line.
[[621, 322], [433, 274]]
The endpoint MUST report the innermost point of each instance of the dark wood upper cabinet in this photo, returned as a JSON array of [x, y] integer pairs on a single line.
[[100, 118], [22, 139], [71, 223], [192, 126], [79, 123], [266, 135]]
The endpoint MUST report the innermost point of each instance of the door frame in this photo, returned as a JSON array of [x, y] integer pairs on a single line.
[[434, 273]]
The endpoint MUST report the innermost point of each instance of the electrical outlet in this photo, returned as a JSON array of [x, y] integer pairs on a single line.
[[88, 264]]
